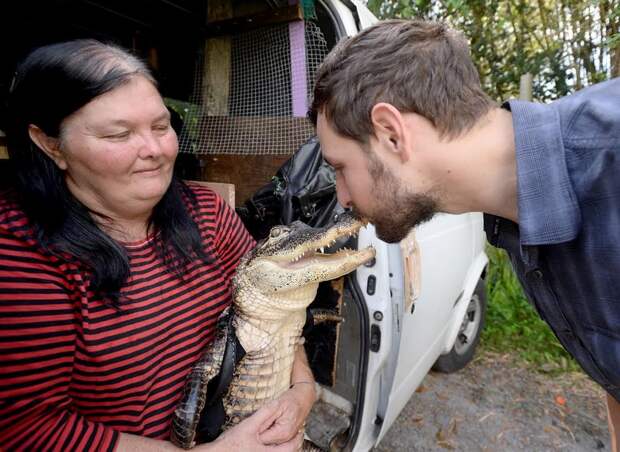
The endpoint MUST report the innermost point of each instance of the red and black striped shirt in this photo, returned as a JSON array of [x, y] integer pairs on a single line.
[[74, 372]]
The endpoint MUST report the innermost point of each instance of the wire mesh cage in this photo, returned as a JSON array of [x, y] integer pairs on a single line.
[[261, 108]]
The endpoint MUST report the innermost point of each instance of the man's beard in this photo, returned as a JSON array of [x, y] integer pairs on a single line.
[[396, 211]]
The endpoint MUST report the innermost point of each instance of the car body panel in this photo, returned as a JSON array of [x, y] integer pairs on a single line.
[[345, 15], [366, 17], [449, 274]]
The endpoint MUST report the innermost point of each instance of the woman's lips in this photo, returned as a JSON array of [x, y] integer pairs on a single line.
[[149, 171]]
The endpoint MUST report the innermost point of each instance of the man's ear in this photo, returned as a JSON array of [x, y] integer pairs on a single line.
[[47, 144], [391, 129]]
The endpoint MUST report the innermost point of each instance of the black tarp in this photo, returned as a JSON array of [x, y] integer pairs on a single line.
[[304, 189]]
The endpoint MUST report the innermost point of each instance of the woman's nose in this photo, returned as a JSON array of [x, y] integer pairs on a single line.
[[150, 146]]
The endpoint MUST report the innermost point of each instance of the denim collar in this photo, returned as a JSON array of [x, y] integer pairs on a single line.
[[548, 208]]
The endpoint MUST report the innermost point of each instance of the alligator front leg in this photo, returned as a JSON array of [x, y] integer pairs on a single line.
[[320, 315], [186, 416]]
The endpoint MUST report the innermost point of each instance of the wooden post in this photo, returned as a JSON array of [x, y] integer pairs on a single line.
[[525, 87], [216, 81]]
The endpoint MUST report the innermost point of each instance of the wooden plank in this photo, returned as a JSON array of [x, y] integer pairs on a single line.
[[216, 77], [240, 24], [253, 135], [226, 191], [410, 251], [247, 173], [250, 7]]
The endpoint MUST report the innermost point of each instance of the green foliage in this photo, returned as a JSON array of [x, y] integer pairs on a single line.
[[513, 325], [190, 114], [613, 41], [308, 9], [565, 44]]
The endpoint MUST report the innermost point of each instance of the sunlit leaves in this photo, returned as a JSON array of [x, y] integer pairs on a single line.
[[565, 44]]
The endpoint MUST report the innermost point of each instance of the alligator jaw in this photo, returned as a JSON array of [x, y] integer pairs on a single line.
[[302, 261], [312, 249]]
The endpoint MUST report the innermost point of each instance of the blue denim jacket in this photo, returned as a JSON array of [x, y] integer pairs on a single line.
[[566, 248]]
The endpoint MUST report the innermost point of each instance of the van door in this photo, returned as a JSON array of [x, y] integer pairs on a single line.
[[365, 17], [439, 253]]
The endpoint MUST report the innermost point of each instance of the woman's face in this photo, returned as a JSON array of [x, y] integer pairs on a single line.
[[118, 150]]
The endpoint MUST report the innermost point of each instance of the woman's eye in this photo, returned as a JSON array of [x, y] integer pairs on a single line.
[[118, 136], [162, 127]]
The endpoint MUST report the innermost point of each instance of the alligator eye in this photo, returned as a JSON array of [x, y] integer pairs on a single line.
[[275, 232]]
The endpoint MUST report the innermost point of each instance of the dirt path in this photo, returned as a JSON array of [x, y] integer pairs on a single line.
[[496, 405]]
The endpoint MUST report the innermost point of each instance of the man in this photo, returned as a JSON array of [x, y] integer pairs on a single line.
[[401, 116]]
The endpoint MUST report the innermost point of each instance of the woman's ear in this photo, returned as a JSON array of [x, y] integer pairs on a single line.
[[391, 129], [47, 144]]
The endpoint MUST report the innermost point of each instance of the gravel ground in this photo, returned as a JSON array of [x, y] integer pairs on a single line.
[[497, 405]]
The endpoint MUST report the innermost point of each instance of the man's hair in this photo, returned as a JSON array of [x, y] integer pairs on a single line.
[[52, 83], [417, 66]]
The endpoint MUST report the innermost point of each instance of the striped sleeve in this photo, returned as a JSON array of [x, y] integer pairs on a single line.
[[38, 324], [232, 240]]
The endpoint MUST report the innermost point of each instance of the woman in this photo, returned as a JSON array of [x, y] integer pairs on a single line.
[[112, 272]]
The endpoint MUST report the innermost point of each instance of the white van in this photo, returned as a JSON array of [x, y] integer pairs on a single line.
[[239, 74], [422, 302]]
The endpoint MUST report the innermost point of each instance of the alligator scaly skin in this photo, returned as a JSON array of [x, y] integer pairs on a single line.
[[272, 288], [187, 414], [264, 373]]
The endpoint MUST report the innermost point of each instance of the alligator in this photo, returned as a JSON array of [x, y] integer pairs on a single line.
[[272, 288]]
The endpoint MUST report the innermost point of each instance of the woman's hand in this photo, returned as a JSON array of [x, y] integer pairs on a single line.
[[246, 435], [291, 410], [279, 425], [294, 405]]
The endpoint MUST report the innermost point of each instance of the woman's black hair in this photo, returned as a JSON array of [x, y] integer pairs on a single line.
[[53, 82]]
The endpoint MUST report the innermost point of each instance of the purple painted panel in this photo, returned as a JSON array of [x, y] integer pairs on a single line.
[[299, 88]]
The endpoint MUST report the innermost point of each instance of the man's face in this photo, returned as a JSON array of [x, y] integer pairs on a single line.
[[364, 183]]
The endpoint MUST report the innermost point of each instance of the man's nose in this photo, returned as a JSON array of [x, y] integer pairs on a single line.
[[344, 197]]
